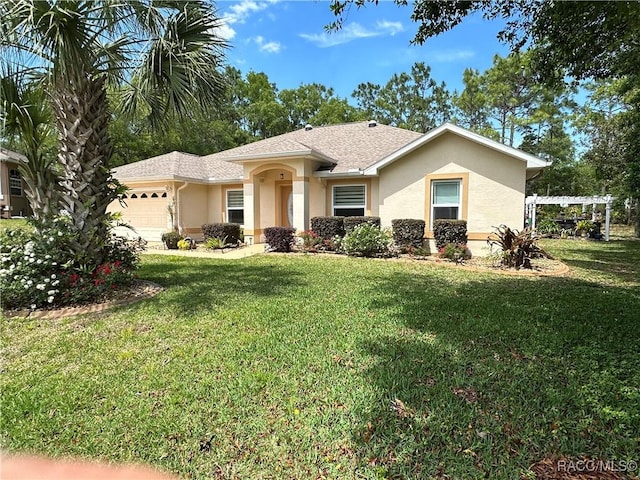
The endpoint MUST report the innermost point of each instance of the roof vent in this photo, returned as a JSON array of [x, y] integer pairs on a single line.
[[308, 127], [372, 123]]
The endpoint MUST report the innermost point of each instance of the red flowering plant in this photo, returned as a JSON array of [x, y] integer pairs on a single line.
[[309, 241], [456, 252]]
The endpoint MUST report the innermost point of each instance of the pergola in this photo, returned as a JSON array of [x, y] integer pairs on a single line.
[[533, 201]]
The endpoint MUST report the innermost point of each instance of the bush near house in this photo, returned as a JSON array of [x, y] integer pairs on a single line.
[[231, 231], [367, 240], [38, 268], [280, 239], [352, 222], [518, 247], [328, 227], [449, 231], [408, 233], [171, 239]]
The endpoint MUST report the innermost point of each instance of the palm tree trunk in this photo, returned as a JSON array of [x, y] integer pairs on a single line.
[[80, 108]]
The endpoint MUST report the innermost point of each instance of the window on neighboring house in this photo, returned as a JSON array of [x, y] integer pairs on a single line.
[[235, 206], [445, 200], [15, 183], [349, 200]]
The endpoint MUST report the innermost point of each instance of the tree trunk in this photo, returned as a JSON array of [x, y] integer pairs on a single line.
[[80, 108]]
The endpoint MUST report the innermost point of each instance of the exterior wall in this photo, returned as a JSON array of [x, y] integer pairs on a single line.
[[317, 196], [216, 203], [493, 184], [192, 203], [12, 205]]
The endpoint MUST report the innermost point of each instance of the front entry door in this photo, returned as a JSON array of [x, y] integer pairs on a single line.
[[286, 205]]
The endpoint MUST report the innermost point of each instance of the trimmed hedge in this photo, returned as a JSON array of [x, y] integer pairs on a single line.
[[352, 222], [450, 231], [408, 232], [328, 227], [171, 239], [280, 239], [221, 230]]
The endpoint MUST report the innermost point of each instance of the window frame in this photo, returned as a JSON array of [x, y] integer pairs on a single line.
[[235, 209], [435, 205], [14, 175], [363, 205], [463, 212]]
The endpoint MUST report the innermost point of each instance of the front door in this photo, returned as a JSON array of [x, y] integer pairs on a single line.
[[286, 205]]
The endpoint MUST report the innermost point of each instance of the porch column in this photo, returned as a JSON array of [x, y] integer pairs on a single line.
[[252, 211], [301, 204], [533, 208], [607, 217]]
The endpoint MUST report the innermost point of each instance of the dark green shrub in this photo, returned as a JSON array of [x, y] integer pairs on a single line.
[[280, 239], [171, 239], [455, 252], [408, 232], [352, 222], [548, 227], [231, 231], [449, 231], [328, 227], [518, 248], [367, 240]]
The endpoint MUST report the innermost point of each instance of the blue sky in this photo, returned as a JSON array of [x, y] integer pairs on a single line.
[[287, 41]]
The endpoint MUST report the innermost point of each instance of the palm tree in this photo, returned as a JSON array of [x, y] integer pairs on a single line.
[[163, 55], [25, 116]]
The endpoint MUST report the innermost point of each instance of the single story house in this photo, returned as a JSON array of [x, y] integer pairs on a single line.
[[13, 201], [362, 168]]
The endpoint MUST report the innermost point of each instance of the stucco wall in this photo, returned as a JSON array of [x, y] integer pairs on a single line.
[[193, 201], [495, 189]]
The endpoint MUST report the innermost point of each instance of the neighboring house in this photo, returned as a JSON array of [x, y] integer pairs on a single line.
[[360, 168], [13, 201]]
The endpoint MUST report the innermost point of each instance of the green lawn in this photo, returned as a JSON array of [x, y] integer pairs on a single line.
[[315, 367]]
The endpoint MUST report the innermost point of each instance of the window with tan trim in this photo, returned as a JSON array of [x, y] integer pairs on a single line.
[[446, 197], [235, 206], [349, 200]]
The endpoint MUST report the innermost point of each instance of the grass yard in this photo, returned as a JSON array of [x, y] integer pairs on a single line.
[[315, 367]]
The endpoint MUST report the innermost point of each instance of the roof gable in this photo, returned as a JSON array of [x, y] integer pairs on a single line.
[[533, 162]]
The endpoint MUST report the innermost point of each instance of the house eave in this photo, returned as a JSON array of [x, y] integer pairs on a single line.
[[293, 154], [180, 178]]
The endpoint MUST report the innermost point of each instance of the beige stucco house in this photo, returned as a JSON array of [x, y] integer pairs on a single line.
[[13, 201], [362, 168]]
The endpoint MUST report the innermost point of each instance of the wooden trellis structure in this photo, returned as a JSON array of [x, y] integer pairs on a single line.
[[533, 201]]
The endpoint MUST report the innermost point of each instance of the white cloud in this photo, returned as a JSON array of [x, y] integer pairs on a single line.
[[445, 56], [238, 13], [350, 32], [267, 47], [225, 31], [390, 27]]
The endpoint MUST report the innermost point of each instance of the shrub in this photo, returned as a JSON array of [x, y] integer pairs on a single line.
[[214, 243], [231, 231], [588, 228], [184, 244], [449, 231], [280, 239], [310, 241], [328, 227], [456, 252], [548, 226], [518, 248], [352, 222], [38, 268], [367, 240], [171, 239], [408, 233]]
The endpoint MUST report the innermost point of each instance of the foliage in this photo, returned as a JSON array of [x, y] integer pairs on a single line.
[[184, 244], [548, 226], [408, 233], [587, 227], [350, 223], [310, 241], [231, 232], [328, 227], [454, 251], [280, 239], [518, 247], [164, 55], [39, 268], [215, 243], [367, 240], [171, 239], [449, 231], [413, 101]]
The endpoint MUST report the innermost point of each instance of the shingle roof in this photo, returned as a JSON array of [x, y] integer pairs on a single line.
[[350, 146], [178, 164]]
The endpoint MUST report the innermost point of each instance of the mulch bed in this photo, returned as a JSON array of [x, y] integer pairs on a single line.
[[139, 290]]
